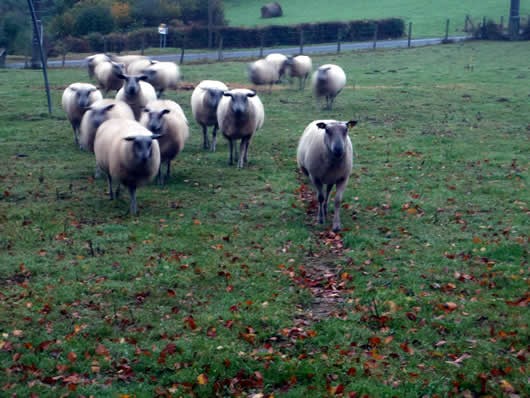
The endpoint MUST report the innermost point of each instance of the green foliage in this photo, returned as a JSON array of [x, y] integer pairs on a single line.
[[93, 18], [224, 285]]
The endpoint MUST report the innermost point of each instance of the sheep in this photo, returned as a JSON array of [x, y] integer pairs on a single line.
[[299, 66], [162, 76], [325, 155], [127, 59], [76, 99], [107, 75], [94, 60], [137, 67], [204, 101], [328, 81], [136, 92], [263, 72], [128, 152], [280, 63], [239, 114], [165, 117], [99, 112]]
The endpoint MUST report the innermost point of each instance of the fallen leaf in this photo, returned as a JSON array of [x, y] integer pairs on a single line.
[[202, 379]]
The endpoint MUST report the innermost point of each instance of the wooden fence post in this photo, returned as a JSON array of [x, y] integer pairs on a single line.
[[409, 35], [261, 43], [301, 41], [339, 38], [502, 22], [375, 36], [446, 30], [220, 50]]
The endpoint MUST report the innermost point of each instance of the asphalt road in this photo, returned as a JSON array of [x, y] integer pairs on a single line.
[[255, 53]]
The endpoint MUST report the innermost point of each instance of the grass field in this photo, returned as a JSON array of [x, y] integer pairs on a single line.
[[225, 286], [428, 17]]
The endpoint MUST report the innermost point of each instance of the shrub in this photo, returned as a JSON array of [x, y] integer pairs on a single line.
[[95, 18], [96, 41]]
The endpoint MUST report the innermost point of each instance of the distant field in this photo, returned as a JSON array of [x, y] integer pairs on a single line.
[[428, 17]]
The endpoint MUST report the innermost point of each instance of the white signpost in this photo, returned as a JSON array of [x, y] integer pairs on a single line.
[[162, 30]]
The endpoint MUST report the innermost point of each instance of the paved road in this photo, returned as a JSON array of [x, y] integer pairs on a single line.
[[255, 53]]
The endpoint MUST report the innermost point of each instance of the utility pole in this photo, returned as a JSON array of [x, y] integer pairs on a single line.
[[36, 40], [514, 22]]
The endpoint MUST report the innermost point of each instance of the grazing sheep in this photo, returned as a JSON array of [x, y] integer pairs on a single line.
[[94, 60], [107, 75], [137, 67], [76, 99], [325, 155], [128, 152], [166, 118], [300, 67], [162, 76], [328, 82], [136, 92], [280, 63], [127, 59], [262, 72], [239, 114], [99, 112], [204, 101]]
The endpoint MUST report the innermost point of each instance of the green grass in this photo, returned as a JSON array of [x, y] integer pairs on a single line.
[[224, 273], [428, 17]]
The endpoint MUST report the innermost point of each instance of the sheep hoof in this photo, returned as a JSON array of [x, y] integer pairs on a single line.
[[336, 228]]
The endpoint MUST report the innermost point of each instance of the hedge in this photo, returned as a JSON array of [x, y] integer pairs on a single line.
[[240, 37]]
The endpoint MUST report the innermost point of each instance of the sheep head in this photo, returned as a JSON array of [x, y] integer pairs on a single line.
[[335, 137], [156, 119]]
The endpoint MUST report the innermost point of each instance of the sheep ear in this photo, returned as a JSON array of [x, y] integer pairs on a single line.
[[157, 136], [321, 125], [251, 94], [351, 124], [164, 112], [227, 94], [129, 138], [108, 107], [145, 76]]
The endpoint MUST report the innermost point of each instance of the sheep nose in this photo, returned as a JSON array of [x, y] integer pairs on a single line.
[[338, 151]]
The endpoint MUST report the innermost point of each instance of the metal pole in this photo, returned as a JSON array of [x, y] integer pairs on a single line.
[[301, 41], [446, 30], [410, 34], [44, 71], [375, 36]]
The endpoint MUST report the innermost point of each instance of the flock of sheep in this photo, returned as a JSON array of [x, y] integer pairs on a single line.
[[133, 135]]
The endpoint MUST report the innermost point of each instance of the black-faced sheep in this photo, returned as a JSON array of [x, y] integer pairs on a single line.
[[136, 92], [280, 63], [262, 72], [128, 152], [107, 74], [328, 82], [240, 113], [166, 118], [99, 112], [325, 155], [76, 99], [204, 101], [300, 67], [162, 76]]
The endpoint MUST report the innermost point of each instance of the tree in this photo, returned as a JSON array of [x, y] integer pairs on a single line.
[[94, 19]]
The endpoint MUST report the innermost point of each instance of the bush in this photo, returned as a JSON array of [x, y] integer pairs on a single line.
[[95, 18], [96, 41]]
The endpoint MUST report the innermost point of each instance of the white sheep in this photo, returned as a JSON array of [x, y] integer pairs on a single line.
[[165, 117], [280, 63], [137, 67], [262, 72], [136, 92], [76, 99], [126, 151], [94, 60], [107, 74], [325, 155], [127, 59], [328, 81], [99, 112], [204, 101], [162, 76], [300, 67], [239, 114]]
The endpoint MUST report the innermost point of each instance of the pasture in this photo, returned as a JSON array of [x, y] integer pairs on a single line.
[[428, 18], [224, 285]]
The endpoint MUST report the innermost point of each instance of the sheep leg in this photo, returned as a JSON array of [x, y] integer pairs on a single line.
[[243, 149], [205, 143], [214, 137], [341, 186], [132, 194], [326, 199], [109, 182], [168, 168], [320, 195]]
